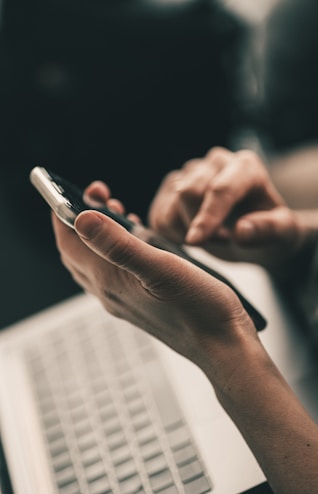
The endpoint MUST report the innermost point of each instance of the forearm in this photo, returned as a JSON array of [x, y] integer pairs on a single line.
[[295, 175], [278, 430]]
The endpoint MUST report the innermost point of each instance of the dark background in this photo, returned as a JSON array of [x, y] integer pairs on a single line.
[[119, 90]]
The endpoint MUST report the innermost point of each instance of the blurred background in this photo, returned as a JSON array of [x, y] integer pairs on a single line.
[[121, 90], [125, 91]]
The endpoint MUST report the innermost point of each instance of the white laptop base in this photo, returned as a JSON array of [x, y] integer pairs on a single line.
[[91, 405]]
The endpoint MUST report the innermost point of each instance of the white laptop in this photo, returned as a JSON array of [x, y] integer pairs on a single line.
[[91, 405]]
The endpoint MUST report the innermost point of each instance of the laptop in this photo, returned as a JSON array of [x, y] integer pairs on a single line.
[[90, 404]]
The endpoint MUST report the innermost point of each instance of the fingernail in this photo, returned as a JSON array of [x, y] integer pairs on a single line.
[[247, 230], [194, 235], [87, 225]]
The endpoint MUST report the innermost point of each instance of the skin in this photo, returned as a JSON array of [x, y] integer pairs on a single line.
[[201, 318], [227, 203]]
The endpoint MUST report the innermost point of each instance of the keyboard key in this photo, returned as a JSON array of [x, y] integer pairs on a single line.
[[127, 380], [61, 461], [132, 485], [90, 456], [66, 476], [87, 441], [170, 489], [72, 488], [82, 428], [112, 425], [51, 419], [132, 393], [199, 485], [100, 486], [116, 439], [79, 414], [103, 398], [54, 433], [185, 454], [121, 454], [74, 401], [190, 471], [145, 434], [107, 412], [156, 464], [136, 406], [58, 446], [178, 437], [126, 469], [161, 479], [95, 471], [150, 449], [141, 420]]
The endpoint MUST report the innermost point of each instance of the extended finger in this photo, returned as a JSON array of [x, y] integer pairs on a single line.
[[240, 176]]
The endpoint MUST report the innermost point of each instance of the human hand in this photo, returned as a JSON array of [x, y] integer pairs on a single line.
[[180, 304], [202, 319], [227, 203]]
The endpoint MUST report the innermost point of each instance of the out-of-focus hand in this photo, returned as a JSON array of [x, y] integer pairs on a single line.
[[226, 203]]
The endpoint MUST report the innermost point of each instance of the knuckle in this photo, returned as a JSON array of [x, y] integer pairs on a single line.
[[221, 187], [172, 177], [223, 191], [252, 166], [190, 164], [248, 155], [118, 252], [217, 153], [249, 158]]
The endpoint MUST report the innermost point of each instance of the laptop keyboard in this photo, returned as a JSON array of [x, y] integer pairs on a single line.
[[110, 421]]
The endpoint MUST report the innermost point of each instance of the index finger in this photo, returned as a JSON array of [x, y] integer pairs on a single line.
[[242, 174]]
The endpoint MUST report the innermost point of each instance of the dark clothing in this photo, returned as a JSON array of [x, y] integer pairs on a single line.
[[305, 293], [290, 103]]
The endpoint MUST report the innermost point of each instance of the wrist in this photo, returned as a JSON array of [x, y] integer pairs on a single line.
[[245, 386], [235, 360]]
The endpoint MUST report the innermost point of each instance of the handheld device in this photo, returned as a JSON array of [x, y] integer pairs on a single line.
[[66, 200]]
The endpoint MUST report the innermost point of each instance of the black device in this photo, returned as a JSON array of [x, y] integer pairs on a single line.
[[66, 200]]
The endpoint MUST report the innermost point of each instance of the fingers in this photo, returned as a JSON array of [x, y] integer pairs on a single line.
[[262, 228], [72, 250], [164, 215], [97, 194], [114, 244], [160, 275], [193, 204], [241, 175], [180, 196]]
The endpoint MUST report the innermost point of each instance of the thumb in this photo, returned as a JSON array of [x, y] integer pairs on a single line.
[[265, 227], [115, 244]]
